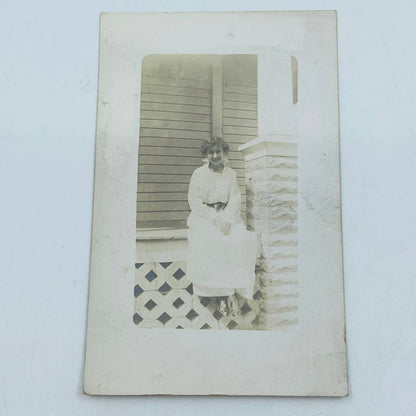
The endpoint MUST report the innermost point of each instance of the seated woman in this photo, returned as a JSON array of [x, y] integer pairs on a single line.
[[222, 253]]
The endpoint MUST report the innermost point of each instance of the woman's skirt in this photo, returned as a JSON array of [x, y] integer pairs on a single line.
[[218, 264]]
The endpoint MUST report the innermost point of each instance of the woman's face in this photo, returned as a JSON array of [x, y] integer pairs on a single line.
[[216, 156]]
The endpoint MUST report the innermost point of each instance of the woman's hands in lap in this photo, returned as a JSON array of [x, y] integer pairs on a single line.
[[227, 228], [223, 226]]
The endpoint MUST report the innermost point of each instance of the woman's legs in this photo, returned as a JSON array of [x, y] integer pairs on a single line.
[[233, 305], [222, 305], [228, 305]]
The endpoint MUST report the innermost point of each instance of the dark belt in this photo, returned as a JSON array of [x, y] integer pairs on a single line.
[[218, 206]]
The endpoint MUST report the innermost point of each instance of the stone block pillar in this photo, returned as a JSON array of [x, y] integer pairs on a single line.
[[271, 186]]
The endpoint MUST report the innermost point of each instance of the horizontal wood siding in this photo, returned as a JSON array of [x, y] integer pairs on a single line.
[[239, 108], [170, 196], [170, 179], [175, 116]]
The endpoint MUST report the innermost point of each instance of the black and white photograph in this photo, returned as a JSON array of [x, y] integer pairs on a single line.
[[217, 213], [200, 192]]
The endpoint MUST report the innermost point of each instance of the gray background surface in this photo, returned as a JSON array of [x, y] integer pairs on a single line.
[[48, 84]]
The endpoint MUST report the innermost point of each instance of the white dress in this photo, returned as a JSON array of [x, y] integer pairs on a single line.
[[218, 264]]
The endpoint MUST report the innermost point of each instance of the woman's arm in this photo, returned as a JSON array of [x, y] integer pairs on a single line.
[[232, 210], [195, 199]]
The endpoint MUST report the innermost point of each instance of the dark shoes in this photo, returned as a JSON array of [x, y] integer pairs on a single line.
[[223, 306], [228, 306], [233, 305]]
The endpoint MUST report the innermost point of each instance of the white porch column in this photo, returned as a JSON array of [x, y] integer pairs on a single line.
[[271, 182], [275, 99]]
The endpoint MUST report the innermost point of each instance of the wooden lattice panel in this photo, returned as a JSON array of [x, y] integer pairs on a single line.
[[164, 299]]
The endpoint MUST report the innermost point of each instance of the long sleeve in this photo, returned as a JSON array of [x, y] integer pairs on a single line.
[[195, 199], [232, 211]]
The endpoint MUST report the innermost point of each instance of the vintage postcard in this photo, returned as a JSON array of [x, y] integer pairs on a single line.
[[216, 264]]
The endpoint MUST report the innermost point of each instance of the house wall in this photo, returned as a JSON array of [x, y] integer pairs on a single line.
[[185, 99], [239, 110], [175, 115]]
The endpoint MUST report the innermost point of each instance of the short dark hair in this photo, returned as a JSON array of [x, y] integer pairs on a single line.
[[215, 141]]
